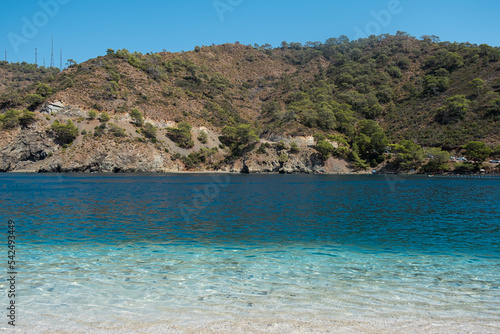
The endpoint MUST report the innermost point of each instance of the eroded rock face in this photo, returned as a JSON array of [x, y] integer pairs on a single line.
[[25, 146], [32, 149], [107, 158], [306, 162], [53, 107]]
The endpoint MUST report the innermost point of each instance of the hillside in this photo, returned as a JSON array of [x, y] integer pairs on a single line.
[[385, 102]]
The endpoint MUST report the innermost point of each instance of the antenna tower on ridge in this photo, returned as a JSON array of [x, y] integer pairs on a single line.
[[52, 54], [36, 57]]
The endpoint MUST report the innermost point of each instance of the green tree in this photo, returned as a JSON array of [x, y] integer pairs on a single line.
[[435, 85], [477, 85], [371, 142], [408, 154], [456, 108], [10, 119], [65, 133], [239, 138], [377, 138], [495, 151], [437, 160], [342, 152], [325, 148], [27, 118], [181, 135], [33, 100], [494, 105], [137, 117], [477, 151], [44, 90]]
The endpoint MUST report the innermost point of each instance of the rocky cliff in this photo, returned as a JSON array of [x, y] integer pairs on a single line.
[[34, 148]]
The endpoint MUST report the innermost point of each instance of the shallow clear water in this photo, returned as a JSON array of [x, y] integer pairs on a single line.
[[113, 250]]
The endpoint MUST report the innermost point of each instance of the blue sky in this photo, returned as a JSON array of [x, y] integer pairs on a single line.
[[85, 29]]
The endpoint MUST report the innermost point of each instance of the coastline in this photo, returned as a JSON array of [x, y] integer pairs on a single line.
[[388, 325], [479, 175]]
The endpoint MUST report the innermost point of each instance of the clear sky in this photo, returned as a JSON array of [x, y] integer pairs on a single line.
[[85, 29]]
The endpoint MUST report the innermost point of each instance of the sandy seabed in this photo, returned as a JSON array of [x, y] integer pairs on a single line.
[[374, 325]]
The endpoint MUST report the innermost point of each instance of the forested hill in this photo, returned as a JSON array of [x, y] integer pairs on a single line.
[[365, 94]]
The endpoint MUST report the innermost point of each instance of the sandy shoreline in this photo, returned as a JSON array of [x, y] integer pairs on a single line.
[[365, 325]]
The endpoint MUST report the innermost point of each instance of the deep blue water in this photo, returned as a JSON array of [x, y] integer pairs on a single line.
[[95, 249]]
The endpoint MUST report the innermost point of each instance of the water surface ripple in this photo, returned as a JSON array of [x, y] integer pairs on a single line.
[[105, 250]]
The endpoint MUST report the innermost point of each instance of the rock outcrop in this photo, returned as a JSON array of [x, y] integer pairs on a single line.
[[21, 148], [34, 149]]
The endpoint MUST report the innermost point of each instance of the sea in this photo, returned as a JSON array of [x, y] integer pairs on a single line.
[[209, 253]]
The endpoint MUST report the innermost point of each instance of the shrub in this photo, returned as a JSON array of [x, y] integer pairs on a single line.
[[122, 109], [196, 158], [92, 114], [342, 152], [319, 136], [117, 131], [104, 117], [261, 149], [137, 117], [12, 118], [149, 131], [338, 139], [99, 130], [495, 151], [294, 148], [65, 133], [394, 72], [203, 137], [281, 145], [437, 159], [283, 158], [465, 168]]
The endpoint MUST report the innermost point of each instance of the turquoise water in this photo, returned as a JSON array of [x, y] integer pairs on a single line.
[[113, 250]]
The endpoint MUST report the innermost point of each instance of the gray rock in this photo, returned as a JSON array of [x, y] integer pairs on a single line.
[[53, 107], [30, 145]]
